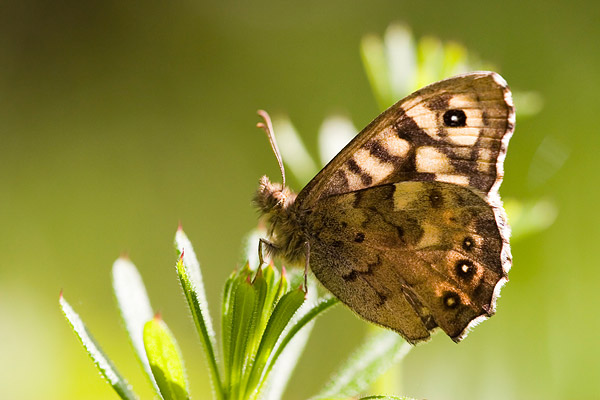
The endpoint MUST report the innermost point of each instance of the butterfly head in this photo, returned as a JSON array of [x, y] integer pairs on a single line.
[[273, 198]]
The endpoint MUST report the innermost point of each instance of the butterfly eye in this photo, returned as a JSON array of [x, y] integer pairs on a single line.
[[465, 269], [451, 300], [455, 118]]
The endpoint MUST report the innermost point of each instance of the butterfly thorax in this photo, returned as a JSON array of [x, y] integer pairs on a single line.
[[279, 210]]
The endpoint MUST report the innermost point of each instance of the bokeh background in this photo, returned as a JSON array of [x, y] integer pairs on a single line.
[[119, 119]]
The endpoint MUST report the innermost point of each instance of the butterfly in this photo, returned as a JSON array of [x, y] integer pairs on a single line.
[[405, 225]]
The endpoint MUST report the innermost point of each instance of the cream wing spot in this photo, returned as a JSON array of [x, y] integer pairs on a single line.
[[462, 180], [462, 101], [474, 117], [466, 136], [432, 236], [425, 119], [378, 170], [462, 153], [354, 180], [406, 193], [390, 142], [429, 159], [485, 158], [485, 155]]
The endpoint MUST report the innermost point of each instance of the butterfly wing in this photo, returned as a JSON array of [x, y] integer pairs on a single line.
[[405, 224], [455, 130], [410, 256]]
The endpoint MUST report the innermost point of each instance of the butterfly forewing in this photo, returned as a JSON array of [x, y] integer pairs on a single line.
[[454, 131]]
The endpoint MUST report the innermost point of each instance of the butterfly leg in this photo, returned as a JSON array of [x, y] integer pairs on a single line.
[[306, 264], [269, 246]]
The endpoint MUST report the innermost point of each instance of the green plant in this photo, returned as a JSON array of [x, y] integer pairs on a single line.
[[265, 316]]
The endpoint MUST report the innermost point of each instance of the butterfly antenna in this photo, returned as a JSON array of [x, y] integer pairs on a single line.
[[268, 128]]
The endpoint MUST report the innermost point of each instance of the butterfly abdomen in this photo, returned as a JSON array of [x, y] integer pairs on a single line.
[[278, 208]]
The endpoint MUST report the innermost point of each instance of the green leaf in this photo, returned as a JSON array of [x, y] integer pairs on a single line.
[[165, 360], [255, 329], [316, 310], [192, 268], [369, 362], [262, 310], [231, 286], [284, 286], [528, 103], [134, 306], [430, 53], [335, 133], [284, 311], [249, 253], [188, 270], [288, 359], [102, 362], [529, 217], [455, 59], [273, 278], [381, 397], [374, 59], [402, 61], [293, 150], [244, 300]]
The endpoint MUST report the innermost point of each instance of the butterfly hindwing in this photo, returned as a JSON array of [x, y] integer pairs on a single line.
[[455, 130], [410, 256]]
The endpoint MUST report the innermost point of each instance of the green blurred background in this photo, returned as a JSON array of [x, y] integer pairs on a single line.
[[119, 119]]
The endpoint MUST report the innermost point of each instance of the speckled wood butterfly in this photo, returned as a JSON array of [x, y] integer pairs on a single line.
[[405, 225]]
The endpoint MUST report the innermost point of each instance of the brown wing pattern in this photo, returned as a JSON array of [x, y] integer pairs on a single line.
[[455, 131], [410, 256]]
